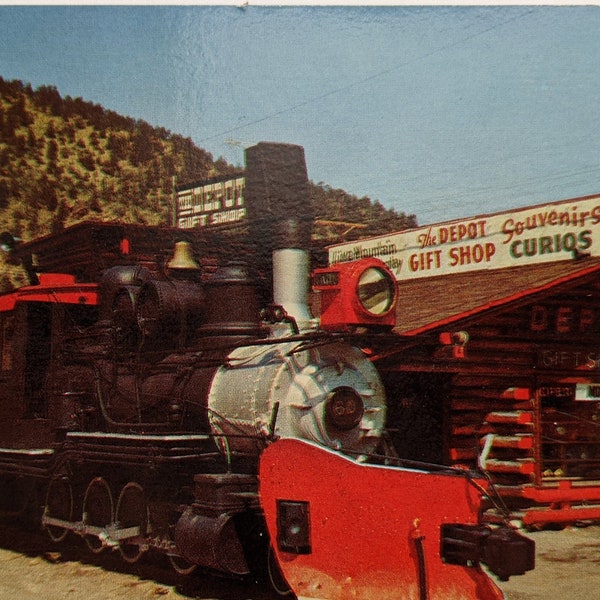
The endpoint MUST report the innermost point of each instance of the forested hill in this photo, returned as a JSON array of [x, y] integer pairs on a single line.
[[66, 160]]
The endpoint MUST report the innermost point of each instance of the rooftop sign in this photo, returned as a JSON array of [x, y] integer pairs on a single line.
[[209, 204], [547, 233]]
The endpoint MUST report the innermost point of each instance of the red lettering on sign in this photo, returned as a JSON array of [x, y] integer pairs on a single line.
[[472, 254], [562, 319], [424, 261]]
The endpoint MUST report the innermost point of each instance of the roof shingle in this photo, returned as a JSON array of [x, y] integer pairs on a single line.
[[426, 304]]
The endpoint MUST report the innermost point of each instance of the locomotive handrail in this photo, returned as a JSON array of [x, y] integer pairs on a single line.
[[576, 417], [150, 437], [397, 461], [317, 337], [470, 475]]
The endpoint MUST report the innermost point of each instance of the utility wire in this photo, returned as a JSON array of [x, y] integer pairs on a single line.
[[369, 78]]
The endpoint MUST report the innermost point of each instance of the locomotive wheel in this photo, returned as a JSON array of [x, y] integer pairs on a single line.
[[59, 504], [278, 583], [97, 511], [181, 565], [132, 511]]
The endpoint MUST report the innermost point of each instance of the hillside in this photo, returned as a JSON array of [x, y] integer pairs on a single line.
[[66, 160]]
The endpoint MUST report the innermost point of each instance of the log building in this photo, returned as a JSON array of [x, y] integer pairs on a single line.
[[504, 372]]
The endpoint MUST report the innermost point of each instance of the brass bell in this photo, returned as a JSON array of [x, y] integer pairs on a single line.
[[183, 258]]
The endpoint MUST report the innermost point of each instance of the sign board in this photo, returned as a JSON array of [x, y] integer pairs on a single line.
[[585, 392], [546, 233], [209, 204]]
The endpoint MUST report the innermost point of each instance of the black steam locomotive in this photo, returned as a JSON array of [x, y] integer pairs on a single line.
[[138, 388], [144, 371]]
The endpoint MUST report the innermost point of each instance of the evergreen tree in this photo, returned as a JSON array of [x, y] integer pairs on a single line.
[[63, 160]]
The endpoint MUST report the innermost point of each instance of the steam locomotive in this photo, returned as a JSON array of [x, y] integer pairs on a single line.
[[154, 396]]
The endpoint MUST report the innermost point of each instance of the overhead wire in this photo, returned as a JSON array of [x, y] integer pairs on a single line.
[[468, 197], [368, 79]]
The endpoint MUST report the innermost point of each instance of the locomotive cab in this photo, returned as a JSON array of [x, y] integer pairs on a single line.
[[33, 322]]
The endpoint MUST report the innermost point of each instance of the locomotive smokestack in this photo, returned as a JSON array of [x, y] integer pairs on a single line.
[[281, 222]]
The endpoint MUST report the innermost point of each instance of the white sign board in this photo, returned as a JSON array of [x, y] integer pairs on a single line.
[[546, 233], [587, 392], [212, 203]]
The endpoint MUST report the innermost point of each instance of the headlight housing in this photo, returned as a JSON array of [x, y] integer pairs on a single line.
[[356, 294]]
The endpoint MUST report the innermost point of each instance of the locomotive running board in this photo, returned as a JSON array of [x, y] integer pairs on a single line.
[[133, 448], [26, 461]]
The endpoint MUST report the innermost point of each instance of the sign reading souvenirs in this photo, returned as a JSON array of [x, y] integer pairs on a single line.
[[546, 233], [212, 203]]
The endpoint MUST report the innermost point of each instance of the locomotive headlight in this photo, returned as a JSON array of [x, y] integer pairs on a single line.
[[361, 293], [344, 409], [375, 291]]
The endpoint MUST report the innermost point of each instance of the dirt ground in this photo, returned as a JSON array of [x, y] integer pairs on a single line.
[[567, 568], [33, 568]]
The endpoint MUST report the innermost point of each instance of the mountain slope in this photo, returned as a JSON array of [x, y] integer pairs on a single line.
[[66, 160]]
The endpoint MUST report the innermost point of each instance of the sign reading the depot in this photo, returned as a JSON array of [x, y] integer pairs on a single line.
[[547, 233], [218, 202]]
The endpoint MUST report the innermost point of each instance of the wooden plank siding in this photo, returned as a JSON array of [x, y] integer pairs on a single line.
[[527, 377]]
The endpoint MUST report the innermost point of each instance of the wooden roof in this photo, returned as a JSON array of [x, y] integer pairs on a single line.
[[432, 303], [88, 248]]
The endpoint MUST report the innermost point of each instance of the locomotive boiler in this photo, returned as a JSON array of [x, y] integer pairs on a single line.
[[147, 382]]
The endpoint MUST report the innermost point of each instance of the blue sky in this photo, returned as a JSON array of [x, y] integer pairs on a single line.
[[444, 112]]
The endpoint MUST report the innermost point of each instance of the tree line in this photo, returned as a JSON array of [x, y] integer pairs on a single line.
[[64, 160]]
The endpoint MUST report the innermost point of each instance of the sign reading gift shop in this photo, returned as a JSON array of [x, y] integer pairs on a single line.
[[546, 233], [212, 203]]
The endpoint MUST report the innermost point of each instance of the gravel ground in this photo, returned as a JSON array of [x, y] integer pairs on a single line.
[[567, 568], [33, 568]]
